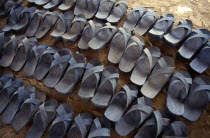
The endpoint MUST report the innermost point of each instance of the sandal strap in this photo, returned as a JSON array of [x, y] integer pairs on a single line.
[[93, 26], [201, 88], [97, 123], [77, 66], [91, 71], [131, 94], [109, 77], [63, 20], [60, 60]]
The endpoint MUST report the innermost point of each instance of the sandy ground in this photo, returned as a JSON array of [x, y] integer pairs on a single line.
[[196, 10]]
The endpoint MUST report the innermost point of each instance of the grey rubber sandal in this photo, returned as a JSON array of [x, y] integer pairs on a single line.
[[80, 7], [67, 5], [132, 53], [92, 8], [120, 102], [159, 77], [149, 58]]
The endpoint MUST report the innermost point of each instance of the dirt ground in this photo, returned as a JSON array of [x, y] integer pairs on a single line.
[[196, 10]]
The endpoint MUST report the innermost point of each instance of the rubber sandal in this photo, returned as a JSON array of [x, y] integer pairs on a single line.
[[52, 4], [12, 18], [58, 67], [198, 98], [159, 77], [24, 19], [33, 59], [64, 117], [118, 11], [178, 91], [72, 75], [194, 43], [91, 29], [104, 9], [135, 116], [46, 24], [4, 79], [22, 53], [106, 88], [67, 5], [42, 119], [101, 127], [36, 19], [62, 24], [9, 52], [15, 103], [146, 22], [149, 58], [162, 26], [90, 79], [44, 63], [179, 33], [177, 129], [133, 18], [41, 2], [28, 110], [76, 29], [132, 53], [154, 126], [80, 126], [201, 62], [103, 37], [118, 45], [80, 7], [92, 8], [7, 91], [120, 102]]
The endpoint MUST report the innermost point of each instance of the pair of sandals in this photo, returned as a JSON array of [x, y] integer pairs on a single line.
[[98, 84], [183, 95], [140, 20]]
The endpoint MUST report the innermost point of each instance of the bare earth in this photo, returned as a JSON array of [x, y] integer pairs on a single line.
[[196, 10]]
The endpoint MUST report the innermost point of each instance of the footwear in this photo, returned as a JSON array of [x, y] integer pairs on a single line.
[[52, 4], [67, 5], [80, 7], [91, 8]]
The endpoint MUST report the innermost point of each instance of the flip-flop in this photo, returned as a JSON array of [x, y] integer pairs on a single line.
[[46, 24], [104, 9], [91, 29], [42, 119], [162, 26], [148, 59], [33, 59], [90, 79], [15, 103], [36, 19], [118, 11], [178, 91], [160, 75], [52, 4], [201, 62], [135, 116], [62, 25], [101, 127], [133, 18], [154, 126], [179, 33], [22, 53], [73, 74], [58, 67], [146, 22], [107, 87], [92, 8], [80, 126], [28, 110], [44, 63], [198, 98], [9, 52], [41, 2], [103, 37], [7, 91], [120, 102], [64, 117], [132, 53], [24, 19], [76, 28], [12, 18], [67, 5], [118, 45], [177, 129], [194, 43], [80, 7]]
